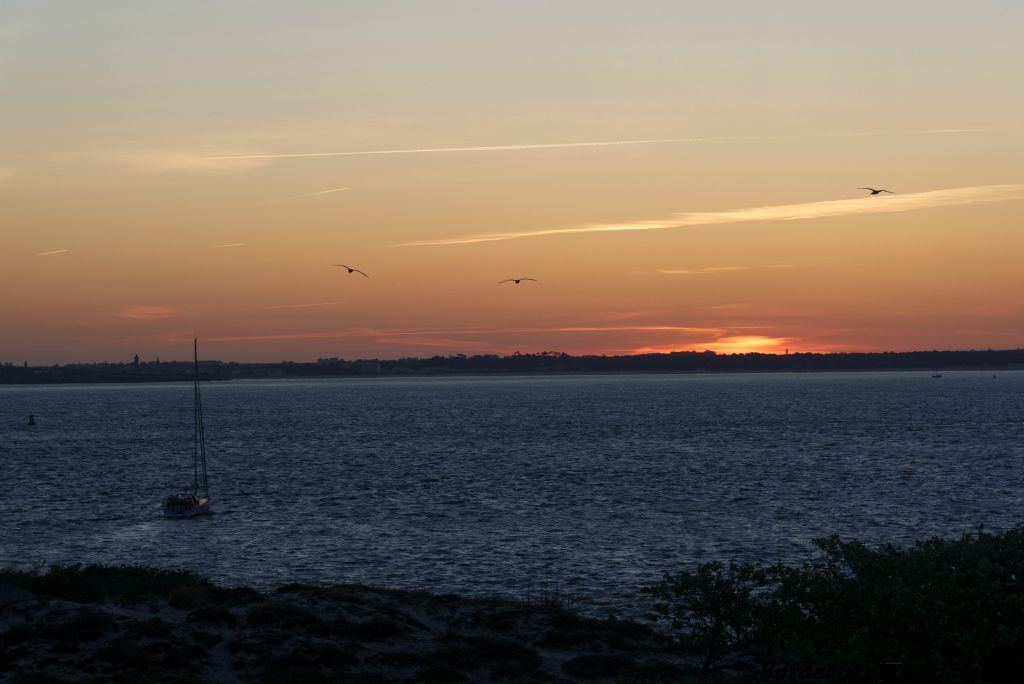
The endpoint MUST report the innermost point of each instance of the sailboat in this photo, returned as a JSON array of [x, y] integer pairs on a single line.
[[196, 502]]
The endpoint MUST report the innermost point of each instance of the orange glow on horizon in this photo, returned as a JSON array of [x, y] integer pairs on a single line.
[[738, 344]]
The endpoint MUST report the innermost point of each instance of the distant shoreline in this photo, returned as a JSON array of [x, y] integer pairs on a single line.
[[506, 374], [544, 363]]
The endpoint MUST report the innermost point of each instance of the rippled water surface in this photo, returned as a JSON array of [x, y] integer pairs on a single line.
[[490, 485]]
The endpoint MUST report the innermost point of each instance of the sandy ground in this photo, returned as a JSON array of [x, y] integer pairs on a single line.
[[323, 634]]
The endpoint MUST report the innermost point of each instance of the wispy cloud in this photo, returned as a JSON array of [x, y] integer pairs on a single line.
[[878, 134], [600, 143], [56, 251], [176, 161], [301, 306], [716, 269], [230, 244], [726, 307], [559, 329], [142, 312], [609, 316], [724, 339], [437, 342], [623, 328], [481, 148], [314, 335], [784, 212], [447, 333], [308, 194]]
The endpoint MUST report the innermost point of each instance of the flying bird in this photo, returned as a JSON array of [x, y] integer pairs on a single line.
[[516, 280], [352, 270], [875, 192]]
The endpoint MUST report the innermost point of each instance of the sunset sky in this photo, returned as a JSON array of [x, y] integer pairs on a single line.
[[676, 175]]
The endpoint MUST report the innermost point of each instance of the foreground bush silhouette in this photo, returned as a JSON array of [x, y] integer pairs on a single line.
[[711, 610], [95, 583], [949, 610]]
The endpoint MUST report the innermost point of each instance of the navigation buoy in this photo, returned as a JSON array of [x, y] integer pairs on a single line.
[[31, 419]]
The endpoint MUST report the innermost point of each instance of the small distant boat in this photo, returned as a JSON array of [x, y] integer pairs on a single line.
[[196, 502], [937, 375]]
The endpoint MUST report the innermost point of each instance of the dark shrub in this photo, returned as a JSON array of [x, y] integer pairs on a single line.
[[941, 610], [374, 629], [13, 636], [289, 674], [950, 609], [501, 657], [213, 615], [154, 628], [85, 624], [439, 673], [598, 666], [710, 610], [285, 616], [34, 678], [99, 583]]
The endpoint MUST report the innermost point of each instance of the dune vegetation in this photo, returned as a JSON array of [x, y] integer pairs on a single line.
[[941, 610]]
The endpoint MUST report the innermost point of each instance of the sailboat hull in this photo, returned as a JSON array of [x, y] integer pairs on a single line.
[[190, 507]]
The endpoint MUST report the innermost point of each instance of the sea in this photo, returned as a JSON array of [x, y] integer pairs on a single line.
[[582, 488]]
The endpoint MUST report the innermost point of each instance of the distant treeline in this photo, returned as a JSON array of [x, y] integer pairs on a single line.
[[541, 362]]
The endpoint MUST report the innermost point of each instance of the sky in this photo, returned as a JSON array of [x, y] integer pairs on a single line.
[[675, 175]]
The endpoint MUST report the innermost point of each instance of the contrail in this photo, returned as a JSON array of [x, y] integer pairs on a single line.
[[783, 212], [231, 244], [56, 251], [313, 194], [487, 148], [600, 143], [295, 197]]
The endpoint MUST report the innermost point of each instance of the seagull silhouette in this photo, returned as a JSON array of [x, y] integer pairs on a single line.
[[875, 192], [515, 280], [352, 270]]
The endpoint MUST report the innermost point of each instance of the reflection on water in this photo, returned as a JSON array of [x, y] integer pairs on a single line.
[[488, 485]]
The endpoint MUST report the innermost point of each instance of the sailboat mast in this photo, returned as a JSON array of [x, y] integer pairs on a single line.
[[199, 452], [195, 417]]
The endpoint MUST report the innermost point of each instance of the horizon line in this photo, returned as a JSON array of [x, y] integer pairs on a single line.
[[879, 352]]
